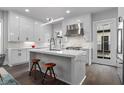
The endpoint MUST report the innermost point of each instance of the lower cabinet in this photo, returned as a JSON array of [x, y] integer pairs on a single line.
[[17, 56]]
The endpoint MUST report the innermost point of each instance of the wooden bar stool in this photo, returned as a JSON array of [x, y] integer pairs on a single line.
[[49, 67], [34, 67]]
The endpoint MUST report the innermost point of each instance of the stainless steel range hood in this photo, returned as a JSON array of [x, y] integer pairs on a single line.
[[74, 30]]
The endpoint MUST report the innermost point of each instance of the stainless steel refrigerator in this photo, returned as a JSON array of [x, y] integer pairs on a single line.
[[120, 49]]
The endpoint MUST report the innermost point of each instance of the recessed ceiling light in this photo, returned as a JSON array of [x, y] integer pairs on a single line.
[[68, 11], [27, 10], [17, 17]]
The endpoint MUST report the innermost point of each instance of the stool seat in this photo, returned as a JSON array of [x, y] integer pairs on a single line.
[[49, 65], [35, 60]]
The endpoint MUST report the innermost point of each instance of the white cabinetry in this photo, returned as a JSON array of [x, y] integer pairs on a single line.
[[46, 33], [22, 28], [13, 27], [42, 33], [37, 32], [17, 56], [26, 29]]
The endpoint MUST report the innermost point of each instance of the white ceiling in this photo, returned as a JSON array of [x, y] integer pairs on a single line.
[[41, 13]]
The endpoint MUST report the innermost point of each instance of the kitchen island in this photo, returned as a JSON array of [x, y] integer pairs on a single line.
[[70, 64]]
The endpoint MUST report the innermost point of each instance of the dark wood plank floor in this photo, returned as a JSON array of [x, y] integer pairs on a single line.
[[101, 75], [21, 74], [96, 75]]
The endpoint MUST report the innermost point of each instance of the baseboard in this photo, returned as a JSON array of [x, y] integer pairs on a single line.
[[103, 64], [64, 80]]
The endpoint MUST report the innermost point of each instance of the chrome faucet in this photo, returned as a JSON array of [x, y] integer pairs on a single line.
[[52, 43]]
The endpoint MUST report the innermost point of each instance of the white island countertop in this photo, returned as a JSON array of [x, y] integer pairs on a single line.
[[65, 53]]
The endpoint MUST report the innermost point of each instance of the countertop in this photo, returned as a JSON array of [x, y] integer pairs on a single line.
[[120, 56], [64, 53], [28, 48]]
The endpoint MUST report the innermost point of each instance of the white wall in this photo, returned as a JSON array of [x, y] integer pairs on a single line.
[[121, 11], [106, 14]]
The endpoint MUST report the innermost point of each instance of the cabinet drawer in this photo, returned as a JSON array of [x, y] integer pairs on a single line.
[[17, 56]]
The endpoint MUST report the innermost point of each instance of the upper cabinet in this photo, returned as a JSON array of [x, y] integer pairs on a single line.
[[37, 32], [13, 27], [42, 33], [22, 28], [47, 30], [26, 29]]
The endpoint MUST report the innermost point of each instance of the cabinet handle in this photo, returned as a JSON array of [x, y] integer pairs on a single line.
[[19, 54], [18, 38], [19, 50], [120, 63], [27, 38], [39, 39]]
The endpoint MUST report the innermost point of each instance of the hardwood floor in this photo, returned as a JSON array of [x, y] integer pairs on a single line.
[[96, 75], [21, 74], [101, 75]]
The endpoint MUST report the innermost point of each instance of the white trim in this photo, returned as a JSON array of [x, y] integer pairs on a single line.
[[114, 22], [105, 20], [83, 80], [2, 36]]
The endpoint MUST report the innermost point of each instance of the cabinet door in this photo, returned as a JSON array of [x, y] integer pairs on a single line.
[[46, 33], [23, 56], [17, 56], [13, 27], [26, 29], [14, 57], [37, 32]]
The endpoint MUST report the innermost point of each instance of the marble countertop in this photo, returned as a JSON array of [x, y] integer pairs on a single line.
[[120, 56], [64, 53], [28, 48]]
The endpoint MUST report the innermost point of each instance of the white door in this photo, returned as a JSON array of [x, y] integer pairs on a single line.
[[104, 42]]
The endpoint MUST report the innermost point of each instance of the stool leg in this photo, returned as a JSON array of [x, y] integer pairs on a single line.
[[39, 68], [35, 68], [53, 73], [50, 72], [45, 75], [31, 69]]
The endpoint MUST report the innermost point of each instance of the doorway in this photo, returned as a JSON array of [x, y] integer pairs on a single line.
[[104, 38]]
